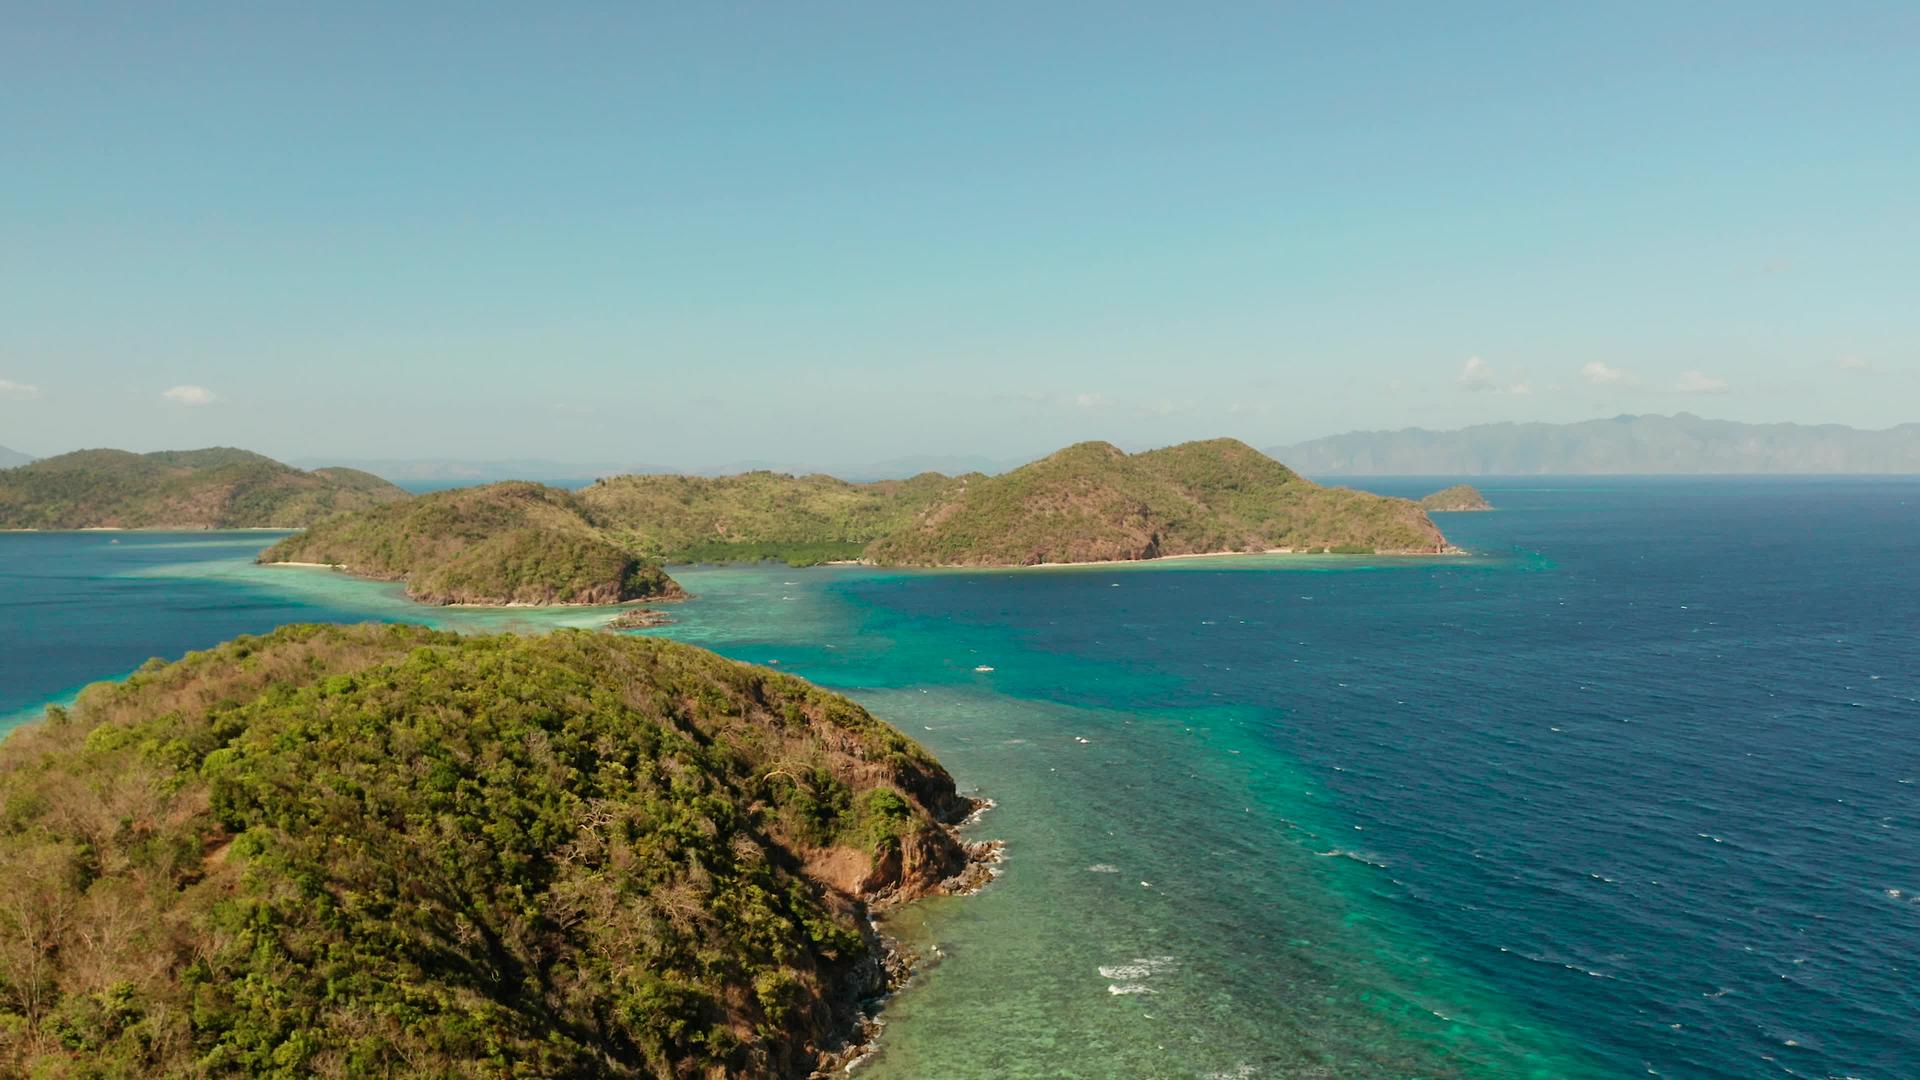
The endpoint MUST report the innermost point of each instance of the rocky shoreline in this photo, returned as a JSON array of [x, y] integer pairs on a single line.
[[891, 966]]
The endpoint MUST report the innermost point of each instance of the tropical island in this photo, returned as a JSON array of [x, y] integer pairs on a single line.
[[387, 850], [511, 543], [1456, 499], [1093, 502], [215, 488], [524, 543]]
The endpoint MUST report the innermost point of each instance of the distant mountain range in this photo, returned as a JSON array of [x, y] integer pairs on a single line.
[[11, 458], [434, 474], [438, 474], [1682, 443]]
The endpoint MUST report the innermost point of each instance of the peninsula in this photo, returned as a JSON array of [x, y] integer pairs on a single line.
[[513, 542], [390, 851], [1456, 499], [524, 543], [216, 488]]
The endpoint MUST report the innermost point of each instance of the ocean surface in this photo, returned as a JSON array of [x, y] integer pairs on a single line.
[[1634, 790]]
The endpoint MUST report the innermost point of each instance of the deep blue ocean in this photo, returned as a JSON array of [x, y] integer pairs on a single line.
[[1634, 790]]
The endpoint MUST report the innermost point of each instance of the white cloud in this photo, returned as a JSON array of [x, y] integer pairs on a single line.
[[1853, 365], [1699, 382], [189, 395], [1600, 373], [1090, 401], [11, 389], [1478, 375]]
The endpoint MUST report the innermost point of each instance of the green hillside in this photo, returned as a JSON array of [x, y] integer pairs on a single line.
[[508, 543], [389, 851], [757, 515], [1093, 503], [524, 543], [219, 488]]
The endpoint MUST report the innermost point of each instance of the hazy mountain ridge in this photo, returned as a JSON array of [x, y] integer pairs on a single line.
[[436, 473], [1682, 443], [10, 458]]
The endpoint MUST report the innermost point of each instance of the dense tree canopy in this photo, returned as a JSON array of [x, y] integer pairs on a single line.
[[507, 543], [758, 515], [388, 851]]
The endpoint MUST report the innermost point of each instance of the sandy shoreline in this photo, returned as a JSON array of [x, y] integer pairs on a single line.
[[1213, 555], [1448, 553]]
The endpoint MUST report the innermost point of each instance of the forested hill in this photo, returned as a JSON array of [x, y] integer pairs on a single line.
[[390, 851], [758, 515], [1091, 502], [513, 542], [218, 488], [524, 543]]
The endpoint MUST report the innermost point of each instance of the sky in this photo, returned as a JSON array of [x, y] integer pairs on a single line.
[[699, 233]]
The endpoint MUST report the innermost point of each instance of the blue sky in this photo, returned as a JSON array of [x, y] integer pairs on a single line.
[[843, 232]]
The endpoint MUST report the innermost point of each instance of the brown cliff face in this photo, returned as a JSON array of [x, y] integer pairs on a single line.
[[930, 861]]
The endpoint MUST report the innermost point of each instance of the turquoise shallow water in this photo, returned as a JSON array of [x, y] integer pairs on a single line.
[[82, 606], [1176, 900], [1632, 793]]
